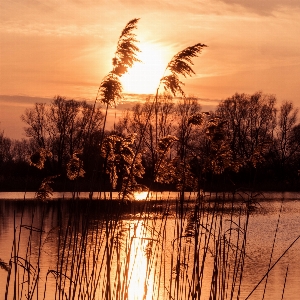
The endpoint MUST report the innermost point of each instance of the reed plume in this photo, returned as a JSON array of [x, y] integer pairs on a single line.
[[39, 157], [180, 64], [45, 190], [74, 167], [126, 52], [110, 90]]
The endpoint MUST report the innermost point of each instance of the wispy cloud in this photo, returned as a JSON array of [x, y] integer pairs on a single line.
[[265, 7]]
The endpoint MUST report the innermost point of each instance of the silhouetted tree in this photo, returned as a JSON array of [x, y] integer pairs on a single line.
[[21, 149], [36, 119], [286, 144], [185, 133], [250, 122], [141, 121], [5, 148], [63, 127]]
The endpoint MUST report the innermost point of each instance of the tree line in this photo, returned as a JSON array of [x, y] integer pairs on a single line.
[[164, 143]]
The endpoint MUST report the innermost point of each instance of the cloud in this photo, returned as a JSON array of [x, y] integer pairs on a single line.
[[264, 7]]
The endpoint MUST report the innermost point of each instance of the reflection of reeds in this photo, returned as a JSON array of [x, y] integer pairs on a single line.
[[102, 247]]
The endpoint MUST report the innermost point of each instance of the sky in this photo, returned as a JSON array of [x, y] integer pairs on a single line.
[[65, 47]]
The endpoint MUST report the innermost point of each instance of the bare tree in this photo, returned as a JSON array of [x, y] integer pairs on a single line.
[[250, 121], [36, 119], [63, 127], [21, 149], [286, 144], [5, 148]]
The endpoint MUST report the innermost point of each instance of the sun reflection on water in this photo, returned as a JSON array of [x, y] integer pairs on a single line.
[[140, 285]]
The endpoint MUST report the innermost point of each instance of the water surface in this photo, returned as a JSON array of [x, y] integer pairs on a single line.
[[146, 247]]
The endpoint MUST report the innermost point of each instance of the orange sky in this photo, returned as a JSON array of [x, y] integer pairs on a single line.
[[65, 48]]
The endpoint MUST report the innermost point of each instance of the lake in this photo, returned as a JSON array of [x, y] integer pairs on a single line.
[[154, 249]]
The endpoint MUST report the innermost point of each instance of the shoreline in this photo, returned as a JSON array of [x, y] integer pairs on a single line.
[[155, 196]]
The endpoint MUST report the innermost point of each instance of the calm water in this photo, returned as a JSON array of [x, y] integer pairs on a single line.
[[146, 245]]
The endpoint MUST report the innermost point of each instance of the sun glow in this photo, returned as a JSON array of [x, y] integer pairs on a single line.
[[144, 76], [141, 195]]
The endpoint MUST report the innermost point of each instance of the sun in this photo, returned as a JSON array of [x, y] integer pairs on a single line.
[[144, 76]]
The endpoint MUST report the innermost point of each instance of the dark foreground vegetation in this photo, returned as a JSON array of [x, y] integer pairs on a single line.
[[125, 250]]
